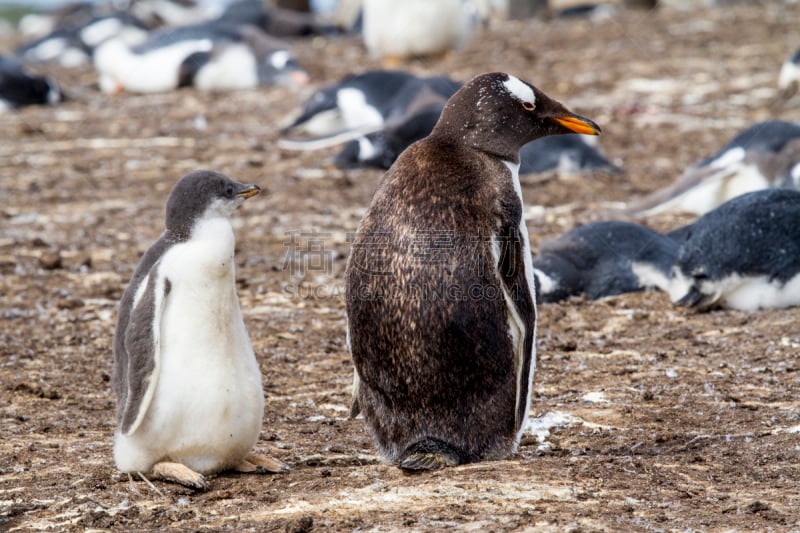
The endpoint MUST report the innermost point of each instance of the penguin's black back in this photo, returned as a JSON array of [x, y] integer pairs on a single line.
[[596, 259], [753, 234]]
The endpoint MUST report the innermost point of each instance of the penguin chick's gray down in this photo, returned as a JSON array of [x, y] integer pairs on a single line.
[[440, 287], [188, 386]]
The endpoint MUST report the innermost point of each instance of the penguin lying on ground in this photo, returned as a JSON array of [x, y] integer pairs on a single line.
[[188, 386], [210, 56], [762, 156], [440, 296], [19, 89], [275, 21], [604, 259], [366, 101], [73, 46], [564, 153], [744, 255]]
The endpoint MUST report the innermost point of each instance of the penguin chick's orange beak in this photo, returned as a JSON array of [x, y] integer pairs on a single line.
[[249, 191], [578, 124]]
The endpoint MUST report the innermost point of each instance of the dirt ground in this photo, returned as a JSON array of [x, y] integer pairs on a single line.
[[647, 417]]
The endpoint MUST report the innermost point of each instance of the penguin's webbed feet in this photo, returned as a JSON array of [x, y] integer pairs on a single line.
[[256, 463], [181, 474], [428, 454]]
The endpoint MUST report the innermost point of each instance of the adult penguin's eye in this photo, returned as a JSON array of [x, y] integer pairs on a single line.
[[529, 106]]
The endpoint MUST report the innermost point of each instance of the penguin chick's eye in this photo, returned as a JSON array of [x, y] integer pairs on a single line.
[[229, 192], [529, 106], [699, 274]]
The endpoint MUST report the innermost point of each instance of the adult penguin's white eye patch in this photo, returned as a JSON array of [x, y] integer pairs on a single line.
[[521, 91]]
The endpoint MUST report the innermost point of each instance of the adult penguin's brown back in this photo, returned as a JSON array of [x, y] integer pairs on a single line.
[[440, 294]]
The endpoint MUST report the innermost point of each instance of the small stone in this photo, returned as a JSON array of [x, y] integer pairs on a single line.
[[303, 524], [50, 260]]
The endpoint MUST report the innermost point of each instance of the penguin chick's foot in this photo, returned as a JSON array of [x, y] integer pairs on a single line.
[[256, 463], [179, 473], [429, 454]]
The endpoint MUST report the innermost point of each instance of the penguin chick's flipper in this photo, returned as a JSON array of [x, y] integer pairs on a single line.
[[429, 454], [181, 474], [255, 463]]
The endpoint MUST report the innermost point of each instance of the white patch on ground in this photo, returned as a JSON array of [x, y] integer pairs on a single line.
[[540, 427], [594, 397], [671, 373]]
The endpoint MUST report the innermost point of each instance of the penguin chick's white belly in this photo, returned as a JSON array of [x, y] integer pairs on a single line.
[[207, 408]]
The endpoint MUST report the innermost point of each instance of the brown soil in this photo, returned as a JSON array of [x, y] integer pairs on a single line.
[[692, 421]]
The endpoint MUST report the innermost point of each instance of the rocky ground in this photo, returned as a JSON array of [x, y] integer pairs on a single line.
[[646, 416]]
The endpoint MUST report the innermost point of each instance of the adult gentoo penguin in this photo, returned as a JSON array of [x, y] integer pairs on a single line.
[[439, 283], [743, 255], [188, 386]]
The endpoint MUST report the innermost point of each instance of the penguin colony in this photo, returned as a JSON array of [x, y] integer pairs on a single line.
[[439, 381]]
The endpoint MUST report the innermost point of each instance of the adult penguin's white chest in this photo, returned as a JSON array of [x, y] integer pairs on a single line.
[[208, 404]]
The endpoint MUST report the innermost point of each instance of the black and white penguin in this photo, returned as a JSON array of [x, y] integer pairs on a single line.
[[440, 286], [396, 31], [789, 76], [275, 21], [188, 386], [743, 255], [209, 56], [381, 149], [19, 89], [71, 46], [366, 101], [568, 154], [603, 259], [762, 156]]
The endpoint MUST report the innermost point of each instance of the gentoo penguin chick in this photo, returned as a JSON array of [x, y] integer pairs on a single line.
[[188, 386], [604, 259], [759, 157], [744, 255], [395, 31], [440, 286], [19, 89]]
